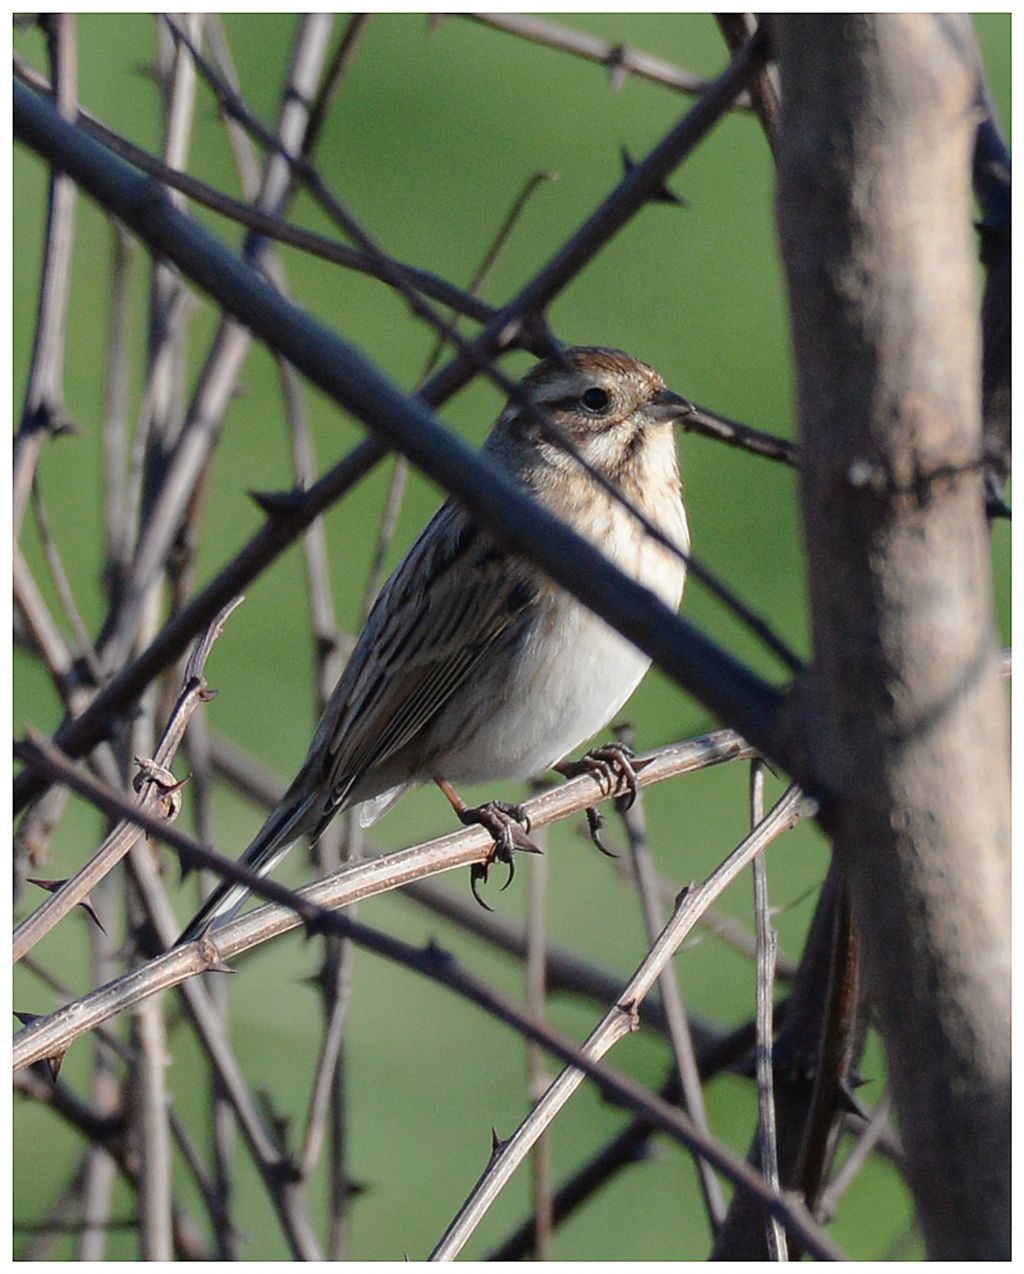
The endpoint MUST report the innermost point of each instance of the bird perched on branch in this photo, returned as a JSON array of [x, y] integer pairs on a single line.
[[473, 666]]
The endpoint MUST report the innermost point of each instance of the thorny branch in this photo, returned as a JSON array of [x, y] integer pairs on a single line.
[[350, 884], [617, 1024], [158, 791], [93, 714]]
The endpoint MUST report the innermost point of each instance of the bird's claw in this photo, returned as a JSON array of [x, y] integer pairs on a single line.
[[595, 821], [508, 825], [611, 766]]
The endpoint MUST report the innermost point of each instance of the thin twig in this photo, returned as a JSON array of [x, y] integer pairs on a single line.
[[43, 412], [765, 95], [767, 944], [108, 1132], [620, 60], [200, 431], [280, 530], [479, 359], [153, 794], [870, 1135], [538, 1077], [674, 1005], [350, 884], [115, 412], [61, 583], [629, 1145], [720, 681], [618, 1024], [149, 1111], [274, 1165]]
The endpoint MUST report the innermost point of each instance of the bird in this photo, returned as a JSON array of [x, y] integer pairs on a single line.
[[473, 666]]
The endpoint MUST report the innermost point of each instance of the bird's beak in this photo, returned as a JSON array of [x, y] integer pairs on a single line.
[[668, 406]]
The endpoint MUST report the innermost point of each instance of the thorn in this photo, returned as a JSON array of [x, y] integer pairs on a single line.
[[661, 194], [632, 1011], [849, 1103], [148, 70], [618, 71], [436, 954], [856, 1080], [312, 927], [86, 903], [52, 1064], [279, 1127], [170, 787], [212, 963], [496, 1142], [277, 504]]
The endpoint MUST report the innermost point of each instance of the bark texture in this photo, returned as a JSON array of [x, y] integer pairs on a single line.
[[875, 220]]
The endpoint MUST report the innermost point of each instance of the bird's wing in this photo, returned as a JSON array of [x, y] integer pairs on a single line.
[[455, 594]]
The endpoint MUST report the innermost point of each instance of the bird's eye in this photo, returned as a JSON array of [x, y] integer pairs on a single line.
[[594, 399]]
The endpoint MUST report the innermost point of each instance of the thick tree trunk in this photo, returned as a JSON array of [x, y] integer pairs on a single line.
[[874, 188]]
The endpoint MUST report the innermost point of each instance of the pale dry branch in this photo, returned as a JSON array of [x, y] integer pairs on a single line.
[[676, 1016], [767, 947], [200, 431], [871, 1135], [538, 1076], [156, 792], [107, 1131], [44, 413], [149, 1112], [281, 529], [276, 1169], [619, 1023], [620, 60], [53, 1034]]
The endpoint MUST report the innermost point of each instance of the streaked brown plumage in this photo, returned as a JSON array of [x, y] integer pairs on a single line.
[[472, 665]]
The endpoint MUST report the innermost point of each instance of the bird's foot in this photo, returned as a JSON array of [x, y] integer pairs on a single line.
[[612, 766], [508, 825]]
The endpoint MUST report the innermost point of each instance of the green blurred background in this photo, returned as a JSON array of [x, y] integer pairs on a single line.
[[432, 136]]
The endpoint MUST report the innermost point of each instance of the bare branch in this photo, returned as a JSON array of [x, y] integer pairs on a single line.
[[674, 1005], [43, 412], [350, 884], [156, 792], [737, 29], [767, 943], [620, 60], [617, 1024], [723, 685], [280, 530]]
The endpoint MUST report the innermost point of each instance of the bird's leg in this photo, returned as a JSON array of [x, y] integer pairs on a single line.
[[507, 824], [612, 766]]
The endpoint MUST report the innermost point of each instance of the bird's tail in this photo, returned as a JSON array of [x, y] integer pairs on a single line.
[[275, 838]]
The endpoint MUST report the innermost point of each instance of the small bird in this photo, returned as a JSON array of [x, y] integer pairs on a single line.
[[473, 666]]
